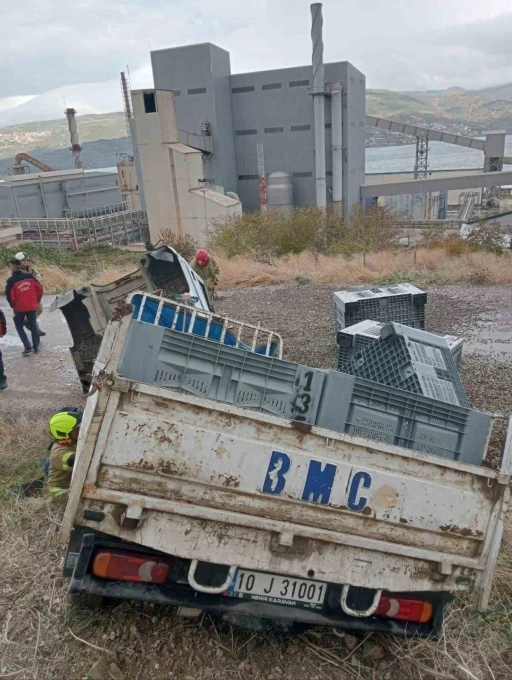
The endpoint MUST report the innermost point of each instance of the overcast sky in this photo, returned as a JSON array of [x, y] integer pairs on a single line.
[[47, 45]]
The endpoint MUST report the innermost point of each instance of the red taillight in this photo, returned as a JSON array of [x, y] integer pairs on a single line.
[[122, 566], [404, 609]]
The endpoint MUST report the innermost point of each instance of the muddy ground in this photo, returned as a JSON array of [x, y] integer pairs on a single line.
[[151, 643]]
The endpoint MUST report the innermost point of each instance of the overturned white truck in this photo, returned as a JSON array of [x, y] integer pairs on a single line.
[[213, 475], [88, 310]]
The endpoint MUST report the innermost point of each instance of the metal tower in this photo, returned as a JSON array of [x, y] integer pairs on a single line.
[[421, 162], [73, 134], [491, 164]]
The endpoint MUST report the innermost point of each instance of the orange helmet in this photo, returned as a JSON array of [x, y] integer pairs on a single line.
[[202, 257]]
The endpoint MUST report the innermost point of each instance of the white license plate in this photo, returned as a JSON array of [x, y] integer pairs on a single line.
[[275, 589]]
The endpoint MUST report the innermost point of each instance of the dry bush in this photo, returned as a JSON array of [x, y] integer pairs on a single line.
[[185, 245], [474, 646], [23, 448], [56, 280], [423, 266]]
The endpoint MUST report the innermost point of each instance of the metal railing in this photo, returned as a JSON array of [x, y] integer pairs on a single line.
[[120, 228], [99, 211]]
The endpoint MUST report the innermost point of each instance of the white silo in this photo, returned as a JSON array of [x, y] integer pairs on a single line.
[[280, 191]]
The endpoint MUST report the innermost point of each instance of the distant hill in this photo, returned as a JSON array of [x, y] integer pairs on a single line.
[[54, 134], [471, 112], [99, 154], [479, 110]]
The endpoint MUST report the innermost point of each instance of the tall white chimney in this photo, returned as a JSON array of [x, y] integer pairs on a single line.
[[318, 93]]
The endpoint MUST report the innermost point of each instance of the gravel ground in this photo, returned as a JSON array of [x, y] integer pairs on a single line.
[[303, 315]]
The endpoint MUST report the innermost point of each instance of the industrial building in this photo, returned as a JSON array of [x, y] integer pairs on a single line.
[[274, 109], [58, 194], [176, 197]]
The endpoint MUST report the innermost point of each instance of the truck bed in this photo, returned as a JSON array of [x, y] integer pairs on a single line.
[[208, 481]]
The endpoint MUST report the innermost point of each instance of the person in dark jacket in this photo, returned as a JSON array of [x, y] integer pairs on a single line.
[[24, 292], [3, 331]]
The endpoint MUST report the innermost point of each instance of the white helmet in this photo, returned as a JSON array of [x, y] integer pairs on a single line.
[[21, 256]]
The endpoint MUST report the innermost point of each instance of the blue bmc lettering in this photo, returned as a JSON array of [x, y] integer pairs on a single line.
[[360, 479], [278, 466], [319, 482]]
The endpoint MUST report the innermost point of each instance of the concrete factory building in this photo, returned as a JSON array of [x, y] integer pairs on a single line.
[[271, 108], [176, 198]]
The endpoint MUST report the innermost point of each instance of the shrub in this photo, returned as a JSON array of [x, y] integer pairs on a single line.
[[271, 234], [185, 245], [488, 237]]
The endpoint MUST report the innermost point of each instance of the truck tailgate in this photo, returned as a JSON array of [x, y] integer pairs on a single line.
[[212, 482]]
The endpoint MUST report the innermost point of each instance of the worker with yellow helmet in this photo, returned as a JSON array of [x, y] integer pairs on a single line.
[[64, 428]]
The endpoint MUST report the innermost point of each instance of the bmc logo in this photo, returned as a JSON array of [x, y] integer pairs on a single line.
[[319, 481]]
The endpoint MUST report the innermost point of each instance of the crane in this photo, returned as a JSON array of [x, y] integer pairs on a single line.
[[18, 167]]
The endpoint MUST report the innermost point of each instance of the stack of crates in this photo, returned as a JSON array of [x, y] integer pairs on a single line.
[[411, 360], [354, 339], [187, 363], [402, 303]]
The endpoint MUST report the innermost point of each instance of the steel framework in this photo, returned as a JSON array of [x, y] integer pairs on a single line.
[[421, 162]]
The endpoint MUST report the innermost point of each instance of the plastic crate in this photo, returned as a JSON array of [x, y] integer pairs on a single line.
[[160, 311], [354, 339], [185, 362], [411, 360], [337, 401], [403, 303], [411, 421]]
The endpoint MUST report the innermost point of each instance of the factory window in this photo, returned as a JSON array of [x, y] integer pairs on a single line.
[[242, 177], [276, 129], [197, 90], [328, 126], [271, 86], [149, 102], [177, 93], [239, 90], [302, 174], [300, 128], [241, 133], [299, 83]]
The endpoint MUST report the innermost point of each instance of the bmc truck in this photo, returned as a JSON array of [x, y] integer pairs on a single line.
[[198, 486]]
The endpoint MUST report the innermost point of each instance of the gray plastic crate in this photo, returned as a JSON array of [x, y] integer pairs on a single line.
[[392, 416], [205, 368], [403, 303], [337, 401], [411, 360], [355, 338]]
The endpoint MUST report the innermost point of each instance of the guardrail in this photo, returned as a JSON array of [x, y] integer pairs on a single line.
[[120, 228]]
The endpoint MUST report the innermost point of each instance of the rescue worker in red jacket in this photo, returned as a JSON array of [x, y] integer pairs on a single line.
[[24, 292]]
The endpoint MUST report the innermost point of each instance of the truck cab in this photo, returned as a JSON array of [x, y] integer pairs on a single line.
[[88, 310]]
